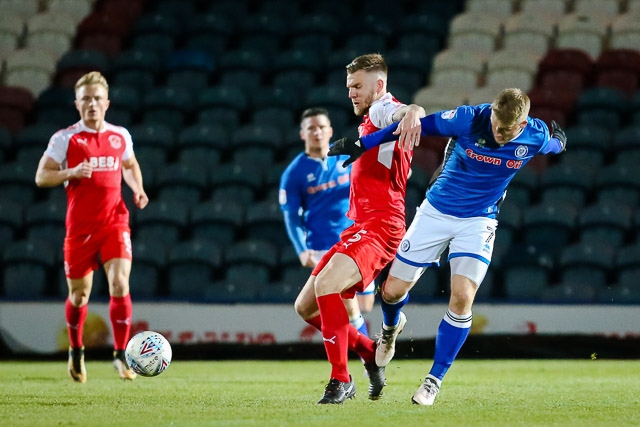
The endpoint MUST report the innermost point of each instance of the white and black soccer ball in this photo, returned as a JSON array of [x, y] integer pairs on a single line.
[[148, 353]]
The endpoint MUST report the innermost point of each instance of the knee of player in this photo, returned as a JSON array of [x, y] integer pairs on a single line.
[[394, 289]]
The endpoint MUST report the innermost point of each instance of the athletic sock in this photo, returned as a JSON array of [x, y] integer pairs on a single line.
[[452, 333], [335, 329], [364, 346], [391, 312], [120, 314], [75, 317], [315, 322], [360, 324]]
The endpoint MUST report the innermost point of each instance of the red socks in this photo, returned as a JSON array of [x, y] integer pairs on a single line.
[[358, 342], [75, 317], [335, 333], [120, 314]]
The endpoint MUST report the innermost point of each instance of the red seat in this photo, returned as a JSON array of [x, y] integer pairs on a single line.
[[567, 81], [619, 59], [625, 81], [570, 60], [15, 105], [550, 98]]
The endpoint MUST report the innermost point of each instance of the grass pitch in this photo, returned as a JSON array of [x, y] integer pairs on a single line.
[[267, 393]]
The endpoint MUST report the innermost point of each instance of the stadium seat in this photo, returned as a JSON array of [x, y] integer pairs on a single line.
[[549, 225], [626, 141], [605, 223], [618, 184], [191, 267], [619, 293], [528, 32], [254, 145], [590, 137], [11, 220], [625, 31], [223, 96], [437, 98], [163, 221], [75, 63], [11, 33], [236, 182], [360, 44], [46, 221], [425, 23], [499, 8], [279, 292], [147, 272], [607, 9], [264, 221], [206, 142], [27, 267], [567, 59], [566, 183], [15, 105], [20, 9], [233, 292], [570, 292], [298, 60], [169, 106], [31, 69], [77, 9], [587, 263], [549, 98], [218, 221], [525, 283], [182, 11], [16, 183], [264, 23], [180, 183], [152, 135], [628, 265], [251, 258]]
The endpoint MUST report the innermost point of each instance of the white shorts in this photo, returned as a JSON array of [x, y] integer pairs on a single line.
[[429, 234], [369, 290]]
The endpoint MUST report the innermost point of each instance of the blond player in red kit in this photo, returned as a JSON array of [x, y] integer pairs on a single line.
[[91, 158]]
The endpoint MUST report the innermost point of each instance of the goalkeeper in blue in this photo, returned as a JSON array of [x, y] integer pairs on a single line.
[[490, 144]]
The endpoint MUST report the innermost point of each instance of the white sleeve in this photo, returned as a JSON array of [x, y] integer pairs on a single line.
[[58, 145], [381, 113], [128, 144]]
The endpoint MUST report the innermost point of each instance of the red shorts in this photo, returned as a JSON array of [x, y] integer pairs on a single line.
[[372, 244], [83, 253]]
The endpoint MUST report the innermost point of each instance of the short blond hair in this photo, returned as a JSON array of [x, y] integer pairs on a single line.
[[370, 62], [511, 106], [92, 78]]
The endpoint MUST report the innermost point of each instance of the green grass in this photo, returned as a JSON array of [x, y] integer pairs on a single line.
[[267, 393]]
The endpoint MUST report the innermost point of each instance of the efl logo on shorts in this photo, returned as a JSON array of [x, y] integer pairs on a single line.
[[405, 245]]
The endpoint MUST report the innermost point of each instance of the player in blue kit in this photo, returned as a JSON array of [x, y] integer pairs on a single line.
[[491, 143], [314, 198]]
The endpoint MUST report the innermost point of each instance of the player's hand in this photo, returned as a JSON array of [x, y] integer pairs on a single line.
[[558, 133], [307, 258], [140, 199], [409, 129], [82, 170], [343, 146]]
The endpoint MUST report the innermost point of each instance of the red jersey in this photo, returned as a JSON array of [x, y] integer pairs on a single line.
[[379, 176], [96, 202]]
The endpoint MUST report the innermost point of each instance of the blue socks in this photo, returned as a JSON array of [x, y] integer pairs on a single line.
[[360, 324], [391, 312], [452, 333]]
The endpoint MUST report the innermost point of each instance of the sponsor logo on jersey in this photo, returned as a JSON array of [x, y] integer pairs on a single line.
[[481, 142], [104, 163], [448, 115], [115, 141], [482, 158]]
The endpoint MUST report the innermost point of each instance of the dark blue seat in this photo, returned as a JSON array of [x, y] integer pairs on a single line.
[[609, 223], [191, 267], [27, 268], [218, 221], [147, 275], [264, 221], [46, 221], [182, 183], [590, 263], [166, 105], [549, 226], [11, 220], [163, 221]]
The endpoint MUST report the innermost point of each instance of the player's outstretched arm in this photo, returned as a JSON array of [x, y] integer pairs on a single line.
[[353, 149]]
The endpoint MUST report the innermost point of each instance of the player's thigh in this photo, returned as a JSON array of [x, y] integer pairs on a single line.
[[474, 237], [423, 244], [118, 271]]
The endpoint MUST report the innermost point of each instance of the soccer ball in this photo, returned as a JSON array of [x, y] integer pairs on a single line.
[[148, 353]]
